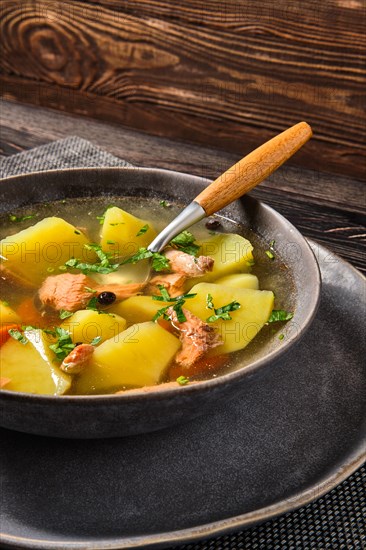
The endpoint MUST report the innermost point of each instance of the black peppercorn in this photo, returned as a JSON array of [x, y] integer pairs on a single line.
[[213, 224], [106, 298]]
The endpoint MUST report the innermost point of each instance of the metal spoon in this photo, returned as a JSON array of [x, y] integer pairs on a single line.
[[236, 181]]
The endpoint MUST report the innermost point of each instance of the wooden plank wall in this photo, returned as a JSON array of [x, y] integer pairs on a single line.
[[226, 73]]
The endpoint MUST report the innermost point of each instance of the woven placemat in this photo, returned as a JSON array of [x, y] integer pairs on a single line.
[[337, 521]]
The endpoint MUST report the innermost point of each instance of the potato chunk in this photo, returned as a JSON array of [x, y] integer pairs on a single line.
[[232, 254], [30, 367], [246, 322], [239, 280], [120, 233], [86, 324], [138, 309], [33, 253], [138, 357]]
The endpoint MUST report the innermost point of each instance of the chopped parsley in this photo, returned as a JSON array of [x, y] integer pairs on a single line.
[[92, 304], [164, 204], [269, 252], [185, 242], [96, 341], [64, 314], [17, 335], [143, 230], [77, 232], [104, 265], [101, 219], [64, 344], [281, 336], [280, 315], [182, 380], [17, 219], [220, 312], [111, 242], [250, 263], [159, 261], [178, 302], [91, 290]]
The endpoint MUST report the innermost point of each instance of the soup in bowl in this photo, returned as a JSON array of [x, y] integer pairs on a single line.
[[102, 338]]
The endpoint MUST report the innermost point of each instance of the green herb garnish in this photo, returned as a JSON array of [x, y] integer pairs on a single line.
[[182, 380], [49, 331], [18, 219], [104, 265], [91, 290], [281, 336], [220, 312], [111, 242], [159, 261], [280, 315], [64, 314], [96, 341], [17, 335], [164, 204], [178, 302], [185, 242], [250, 263], [100, 219], [92, 304], [143, 230], [269, 252], [64, 344], [77, 232]]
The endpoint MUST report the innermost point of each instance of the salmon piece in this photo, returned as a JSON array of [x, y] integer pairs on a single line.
[[65, 291], [189, 265], [77, 359], [173, 282], [4, 381], [122, 291], [196, 336]]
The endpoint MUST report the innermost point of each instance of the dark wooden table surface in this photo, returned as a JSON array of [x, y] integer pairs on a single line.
[[328, 208]]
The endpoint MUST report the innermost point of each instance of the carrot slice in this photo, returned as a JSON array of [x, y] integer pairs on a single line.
[[4, 381], [4, 331]]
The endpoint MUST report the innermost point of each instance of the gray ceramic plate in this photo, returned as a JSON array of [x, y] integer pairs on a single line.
[[282, 444]]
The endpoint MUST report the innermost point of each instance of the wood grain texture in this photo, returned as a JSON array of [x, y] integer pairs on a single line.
[[227, 74], [325, 207], [255, 167]]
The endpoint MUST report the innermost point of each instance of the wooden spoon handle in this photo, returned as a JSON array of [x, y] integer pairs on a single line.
[[254, 168]]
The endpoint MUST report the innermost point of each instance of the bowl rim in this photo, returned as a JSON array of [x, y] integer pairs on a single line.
[[199, 386]]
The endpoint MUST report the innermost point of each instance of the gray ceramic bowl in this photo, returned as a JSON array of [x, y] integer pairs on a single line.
[[138, 411]]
